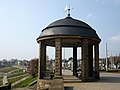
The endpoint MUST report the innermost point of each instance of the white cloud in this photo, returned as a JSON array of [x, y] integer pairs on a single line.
[[91, 15], [115, 39]]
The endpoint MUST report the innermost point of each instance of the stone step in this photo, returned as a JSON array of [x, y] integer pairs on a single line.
[[72, 81]]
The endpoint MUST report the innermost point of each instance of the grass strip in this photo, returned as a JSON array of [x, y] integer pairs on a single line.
[[17, 71], [11, 76], [7, 69], [1, 83], [12, 80], [16, 74], [25, 82]]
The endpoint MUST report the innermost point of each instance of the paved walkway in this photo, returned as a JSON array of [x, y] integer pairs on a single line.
[[108, 81]]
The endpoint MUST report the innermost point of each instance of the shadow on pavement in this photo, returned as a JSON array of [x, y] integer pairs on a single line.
[[109, 79], [68, 88]]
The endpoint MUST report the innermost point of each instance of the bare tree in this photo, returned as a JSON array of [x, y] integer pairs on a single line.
[[33, 67]]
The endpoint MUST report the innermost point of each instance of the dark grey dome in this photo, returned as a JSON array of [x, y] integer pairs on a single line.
[[68, 27], [68, 21]]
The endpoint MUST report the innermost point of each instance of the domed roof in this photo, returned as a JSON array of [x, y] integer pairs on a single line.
[[68, 21], [68, 27]]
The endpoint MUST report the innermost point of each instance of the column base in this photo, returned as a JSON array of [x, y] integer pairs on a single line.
[[97, 75]]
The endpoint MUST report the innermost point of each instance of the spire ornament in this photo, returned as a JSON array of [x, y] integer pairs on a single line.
[[67, 9]]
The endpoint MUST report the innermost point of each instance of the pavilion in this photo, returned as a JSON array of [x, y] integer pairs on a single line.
[[70, 32]]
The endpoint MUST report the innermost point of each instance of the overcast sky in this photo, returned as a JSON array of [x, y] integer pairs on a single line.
[[21, 22]]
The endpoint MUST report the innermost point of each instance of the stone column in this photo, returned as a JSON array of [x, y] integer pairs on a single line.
[[90, 61], [42, 60], [84, 60], [75, 61], [58, 58], [96, 48]]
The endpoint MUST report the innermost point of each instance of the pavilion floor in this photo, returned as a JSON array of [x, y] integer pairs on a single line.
[[69, 78]]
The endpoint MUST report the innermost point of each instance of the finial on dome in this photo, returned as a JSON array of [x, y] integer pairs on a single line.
[[68, 12], [67, 9]]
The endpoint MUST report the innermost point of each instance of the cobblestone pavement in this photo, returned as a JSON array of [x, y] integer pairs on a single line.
[[108, 81]]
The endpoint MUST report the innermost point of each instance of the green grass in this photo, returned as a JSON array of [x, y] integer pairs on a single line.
[[1, 77], [12, 80], [7, 69], [16, 74], [17, 71], [1, 83], [25, 82]]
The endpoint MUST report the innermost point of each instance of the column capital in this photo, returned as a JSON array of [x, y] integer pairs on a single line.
[[85, 41]]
